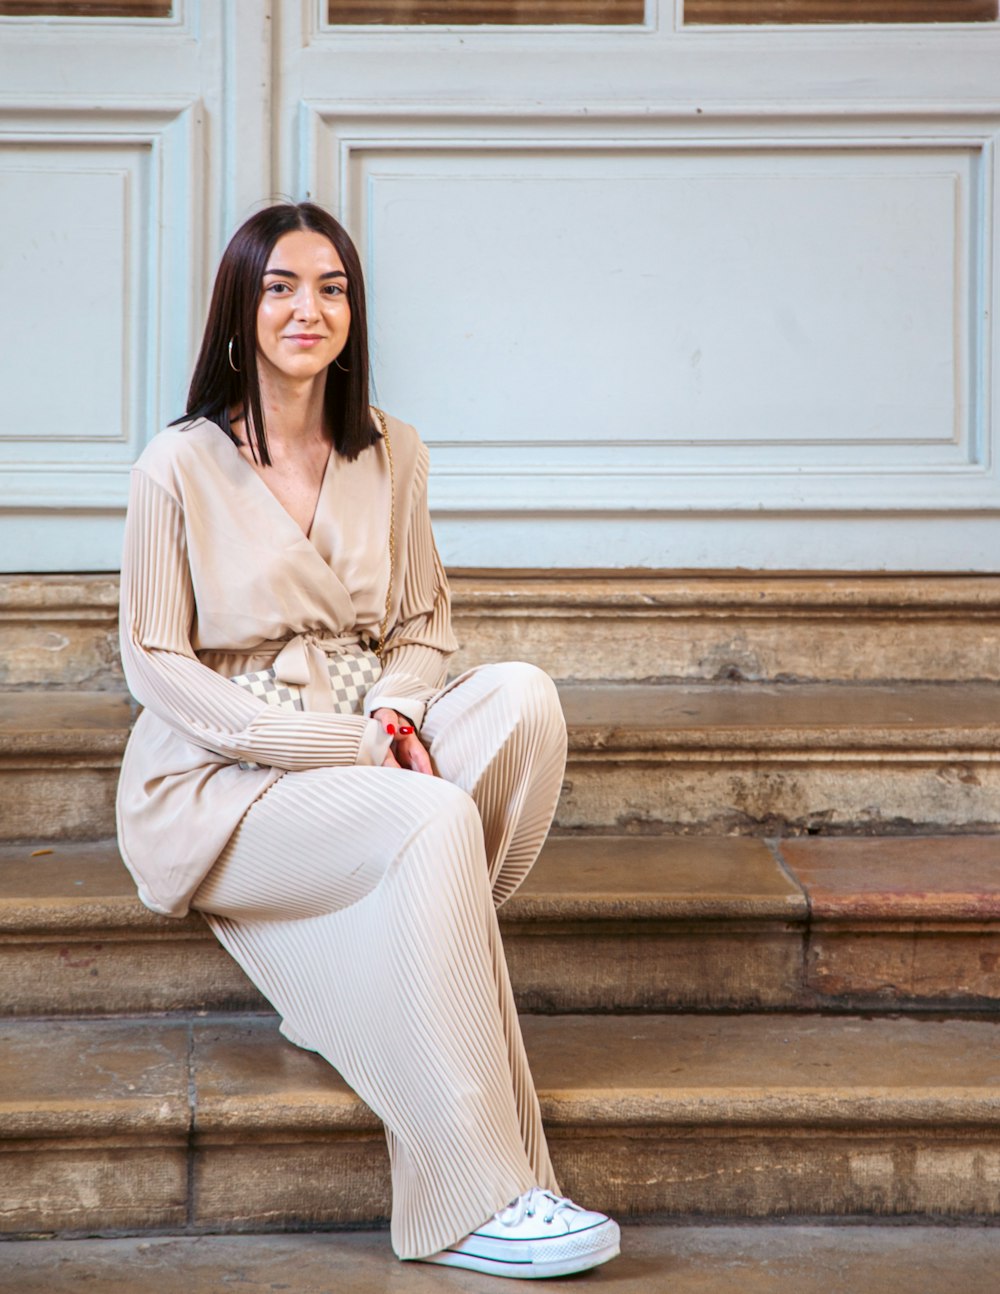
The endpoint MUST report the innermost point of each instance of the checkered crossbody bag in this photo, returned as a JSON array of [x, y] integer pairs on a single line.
[[353, 671]]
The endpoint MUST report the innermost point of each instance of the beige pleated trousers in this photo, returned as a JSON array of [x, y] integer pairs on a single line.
[[362, 903]]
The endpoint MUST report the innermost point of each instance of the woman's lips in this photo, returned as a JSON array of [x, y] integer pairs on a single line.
[[305, 339]]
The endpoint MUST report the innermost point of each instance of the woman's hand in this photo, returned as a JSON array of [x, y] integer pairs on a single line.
[[407, 750]]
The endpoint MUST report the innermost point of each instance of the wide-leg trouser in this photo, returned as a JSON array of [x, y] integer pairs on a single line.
[[361, 901]]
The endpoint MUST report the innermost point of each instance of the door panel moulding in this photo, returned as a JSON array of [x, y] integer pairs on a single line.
[[160, 146], [64, 20], [347, 150]]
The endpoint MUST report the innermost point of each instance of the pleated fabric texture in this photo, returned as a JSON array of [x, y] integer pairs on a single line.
[[362, 902], [217, 579], [203, 704]]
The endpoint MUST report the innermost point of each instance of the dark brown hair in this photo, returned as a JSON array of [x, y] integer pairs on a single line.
[[216, 387]]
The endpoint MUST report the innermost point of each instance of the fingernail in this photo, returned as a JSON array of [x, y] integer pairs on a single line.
[[390, 729], [405, 730]]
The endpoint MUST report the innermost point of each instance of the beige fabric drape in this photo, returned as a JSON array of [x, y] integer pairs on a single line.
[[360, 900], [216, 578]]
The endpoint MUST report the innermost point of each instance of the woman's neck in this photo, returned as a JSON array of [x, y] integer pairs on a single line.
[[293, 411]]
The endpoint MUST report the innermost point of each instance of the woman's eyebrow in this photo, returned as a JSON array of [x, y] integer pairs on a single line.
[[290, 274]]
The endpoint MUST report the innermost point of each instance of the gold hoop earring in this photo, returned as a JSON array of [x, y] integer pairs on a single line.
[[231, 364]]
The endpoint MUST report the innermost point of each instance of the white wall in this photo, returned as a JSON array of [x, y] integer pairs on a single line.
[[662, 296]]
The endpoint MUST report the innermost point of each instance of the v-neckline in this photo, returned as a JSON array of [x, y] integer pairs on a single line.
[[319, 496], [303, 534]]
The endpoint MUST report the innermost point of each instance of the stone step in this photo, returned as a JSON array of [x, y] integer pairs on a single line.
[[61, 630], [218, 1124], [603, 923], [765, 1258], [754, 758], [897, 921], [772, 759]]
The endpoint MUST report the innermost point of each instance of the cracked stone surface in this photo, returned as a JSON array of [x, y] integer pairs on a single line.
[[76, 1078]]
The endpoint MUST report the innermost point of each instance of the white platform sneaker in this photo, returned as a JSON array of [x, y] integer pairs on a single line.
[[537, 1235]]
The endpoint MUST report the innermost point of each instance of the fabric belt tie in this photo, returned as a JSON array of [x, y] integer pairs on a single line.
[[301, 661]]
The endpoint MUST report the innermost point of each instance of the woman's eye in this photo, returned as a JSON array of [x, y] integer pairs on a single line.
[[277, 288], [334, 290]]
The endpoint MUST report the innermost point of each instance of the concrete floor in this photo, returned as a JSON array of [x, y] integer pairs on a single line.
[[655, 1260]]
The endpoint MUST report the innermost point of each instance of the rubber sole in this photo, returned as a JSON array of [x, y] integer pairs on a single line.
[[524, 1270]]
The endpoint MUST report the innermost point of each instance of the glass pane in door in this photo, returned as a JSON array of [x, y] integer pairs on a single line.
[[86, 8], [720, 12], [460, 13]]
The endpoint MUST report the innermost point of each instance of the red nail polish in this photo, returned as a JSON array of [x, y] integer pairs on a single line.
[[405, 731], [390, 729]]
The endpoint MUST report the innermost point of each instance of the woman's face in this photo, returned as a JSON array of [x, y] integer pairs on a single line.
[[304, 317]]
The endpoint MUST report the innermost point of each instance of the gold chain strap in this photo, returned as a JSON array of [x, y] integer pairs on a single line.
[[392, 529]]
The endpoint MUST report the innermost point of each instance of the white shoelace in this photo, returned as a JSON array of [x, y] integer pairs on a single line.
[[528, 1204]]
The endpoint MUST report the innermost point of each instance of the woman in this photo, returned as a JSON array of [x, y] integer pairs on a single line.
[[350, 862]]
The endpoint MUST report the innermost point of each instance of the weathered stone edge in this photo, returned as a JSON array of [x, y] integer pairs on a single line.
[[24, 596], [655, 592], [323, 1103], [118, 915], [96, 726], [326, 1103]]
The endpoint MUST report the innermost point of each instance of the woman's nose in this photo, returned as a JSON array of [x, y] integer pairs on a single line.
[[306, 303]]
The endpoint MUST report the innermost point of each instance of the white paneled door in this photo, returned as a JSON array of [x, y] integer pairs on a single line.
[[658, 290], [123, 161]]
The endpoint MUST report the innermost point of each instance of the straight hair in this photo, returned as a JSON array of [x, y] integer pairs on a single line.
[[230, 337]]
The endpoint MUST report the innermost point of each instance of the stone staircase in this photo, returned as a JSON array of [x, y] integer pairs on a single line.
[[758, 962]]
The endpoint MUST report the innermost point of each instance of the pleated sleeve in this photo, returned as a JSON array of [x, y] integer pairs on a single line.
[[165, 675], [421, 641]]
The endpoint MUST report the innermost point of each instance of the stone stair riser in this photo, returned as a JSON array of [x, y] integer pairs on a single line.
[[644, 968], [62, 631], [637, 1173], [893, 793], [607, 644], [87, 1186], [897, 793], [61, 654], [904, 963], [792, 1173], [772, 967], [61, 799], [322, 1179], [59, 631], [121, 975], [306, 1181], [582, 969]]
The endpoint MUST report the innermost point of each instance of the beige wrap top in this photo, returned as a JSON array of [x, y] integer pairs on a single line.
[[217, 580]]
